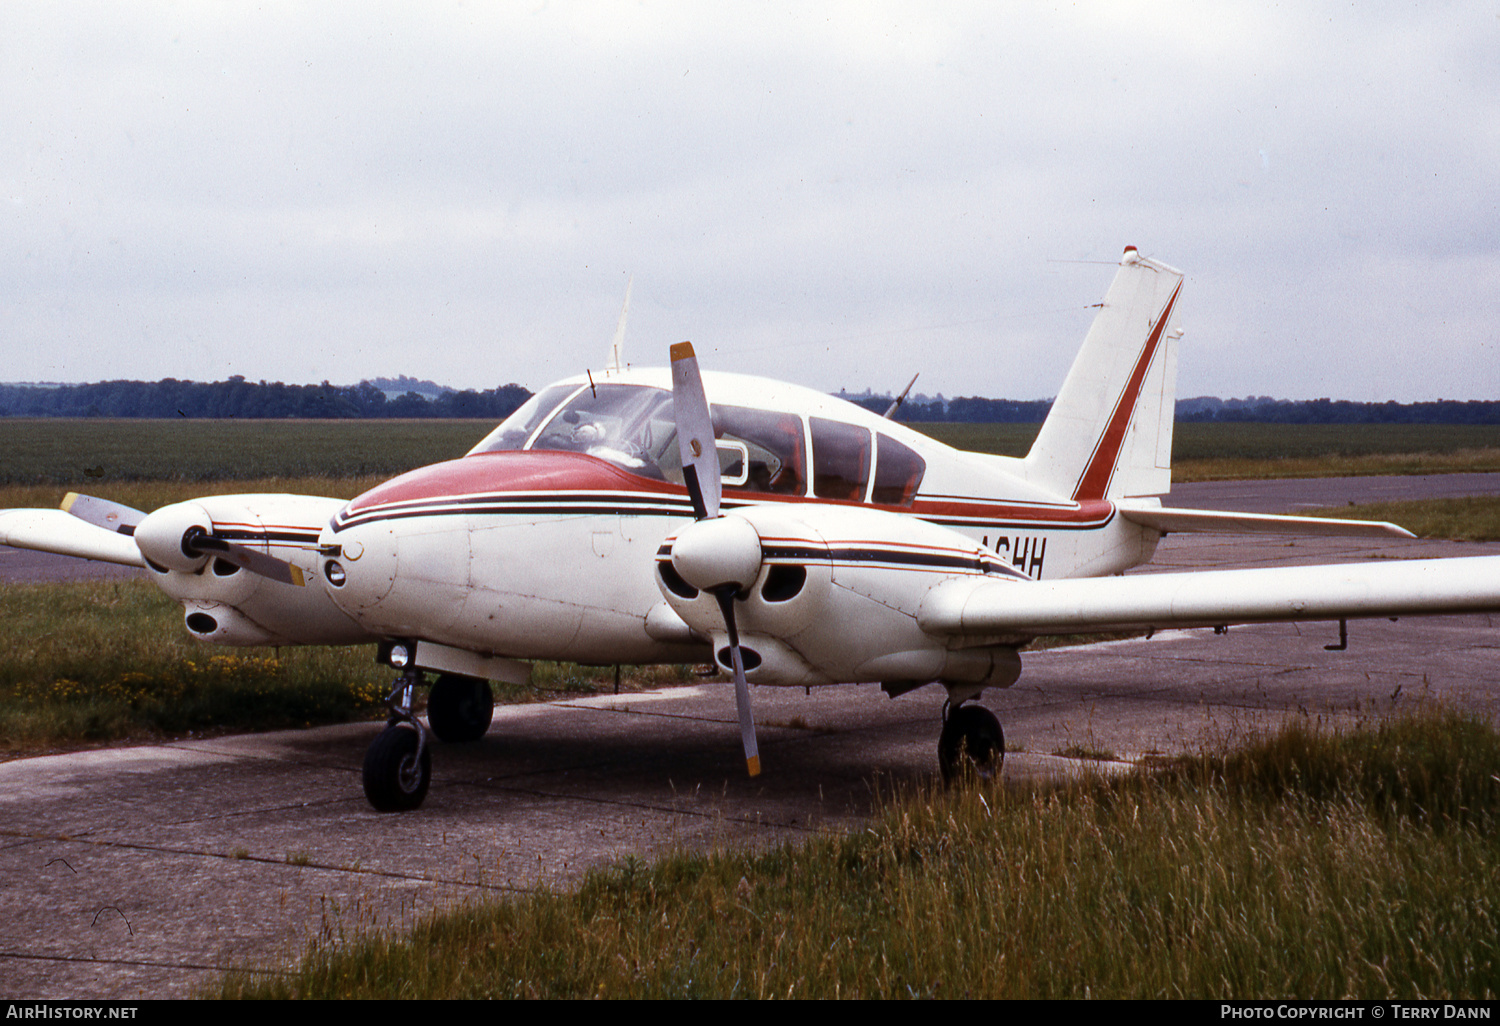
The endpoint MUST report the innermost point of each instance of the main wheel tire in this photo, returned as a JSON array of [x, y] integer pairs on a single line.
[[396, 780], [460, 708], [971, 743]]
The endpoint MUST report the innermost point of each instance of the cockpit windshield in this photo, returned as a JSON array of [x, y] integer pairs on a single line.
[[628, 425], [625, 424], [633, 427], [514, 431]]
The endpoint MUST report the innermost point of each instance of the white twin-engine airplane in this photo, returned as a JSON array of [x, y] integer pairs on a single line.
[[655, 516]]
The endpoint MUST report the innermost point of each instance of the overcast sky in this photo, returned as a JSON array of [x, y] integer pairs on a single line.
[[835, 194]]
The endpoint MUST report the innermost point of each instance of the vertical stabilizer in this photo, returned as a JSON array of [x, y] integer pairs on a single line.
[[1109, 433]]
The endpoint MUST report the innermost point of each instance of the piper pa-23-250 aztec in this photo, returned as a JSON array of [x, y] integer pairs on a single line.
[[656, 516]]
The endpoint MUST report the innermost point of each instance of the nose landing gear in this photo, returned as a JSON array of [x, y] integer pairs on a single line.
[[398, 764]]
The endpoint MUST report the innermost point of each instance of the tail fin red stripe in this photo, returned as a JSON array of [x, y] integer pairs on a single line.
[[1101, 465]]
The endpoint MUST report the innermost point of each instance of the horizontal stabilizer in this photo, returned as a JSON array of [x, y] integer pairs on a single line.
[[54, 530], [1187, 520], [987, 608]]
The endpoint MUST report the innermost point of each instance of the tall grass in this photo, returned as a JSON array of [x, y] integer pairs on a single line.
[[1312, 865]]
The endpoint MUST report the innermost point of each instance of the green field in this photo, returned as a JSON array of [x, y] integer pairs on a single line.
[[72, 452], [1219, 452], [1472, 518], [87, 454]]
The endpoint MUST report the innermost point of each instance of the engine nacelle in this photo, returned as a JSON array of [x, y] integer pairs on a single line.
[[837, 596], [224, 625], [226, 605]]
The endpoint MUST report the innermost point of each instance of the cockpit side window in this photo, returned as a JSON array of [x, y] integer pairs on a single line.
[[519, 426], [898, 472], [841, 459], [774, 442]]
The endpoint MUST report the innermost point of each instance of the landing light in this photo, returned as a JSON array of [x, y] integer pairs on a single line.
[[334, 571]]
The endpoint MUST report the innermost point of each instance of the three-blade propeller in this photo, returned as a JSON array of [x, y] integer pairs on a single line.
[[715, 554]]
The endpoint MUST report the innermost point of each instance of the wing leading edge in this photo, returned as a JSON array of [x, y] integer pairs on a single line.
[[53, 530], [990, 608]]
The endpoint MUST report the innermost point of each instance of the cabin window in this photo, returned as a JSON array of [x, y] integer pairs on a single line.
[[521, 425], [773, 450], [898, 472], [841, 459]]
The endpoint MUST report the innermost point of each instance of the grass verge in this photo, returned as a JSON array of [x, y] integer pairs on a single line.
[[93, 662], [1474, 518], [97, 662], [1313, 864]]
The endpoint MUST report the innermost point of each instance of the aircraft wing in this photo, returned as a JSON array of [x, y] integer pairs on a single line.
[[988, 608], [55, 530], [1168, 520]]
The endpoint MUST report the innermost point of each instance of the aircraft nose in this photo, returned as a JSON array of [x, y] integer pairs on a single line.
[[358, 565]]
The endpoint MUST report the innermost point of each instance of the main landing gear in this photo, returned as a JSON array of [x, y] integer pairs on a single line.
[[398, 763], [460, 708], [971, 743]]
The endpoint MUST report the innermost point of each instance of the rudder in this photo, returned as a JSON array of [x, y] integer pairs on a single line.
[[1109, 432]]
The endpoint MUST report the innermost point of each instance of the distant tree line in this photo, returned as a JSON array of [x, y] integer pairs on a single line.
[[1338, 411], [250, 400], [237, 397], [963, 410], [976, 410]]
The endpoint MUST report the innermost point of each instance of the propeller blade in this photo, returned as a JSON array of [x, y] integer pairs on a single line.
[[197, 540], [111, 516], [695, 433], [700, 470], [741, 686]]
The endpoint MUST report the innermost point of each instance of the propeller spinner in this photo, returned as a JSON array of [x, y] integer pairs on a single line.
[[717, 554]]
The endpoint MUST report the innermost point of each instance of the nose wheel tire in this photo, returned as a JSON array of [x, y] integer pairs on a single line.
[[971, 743], [460, 708], [398, 770]]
